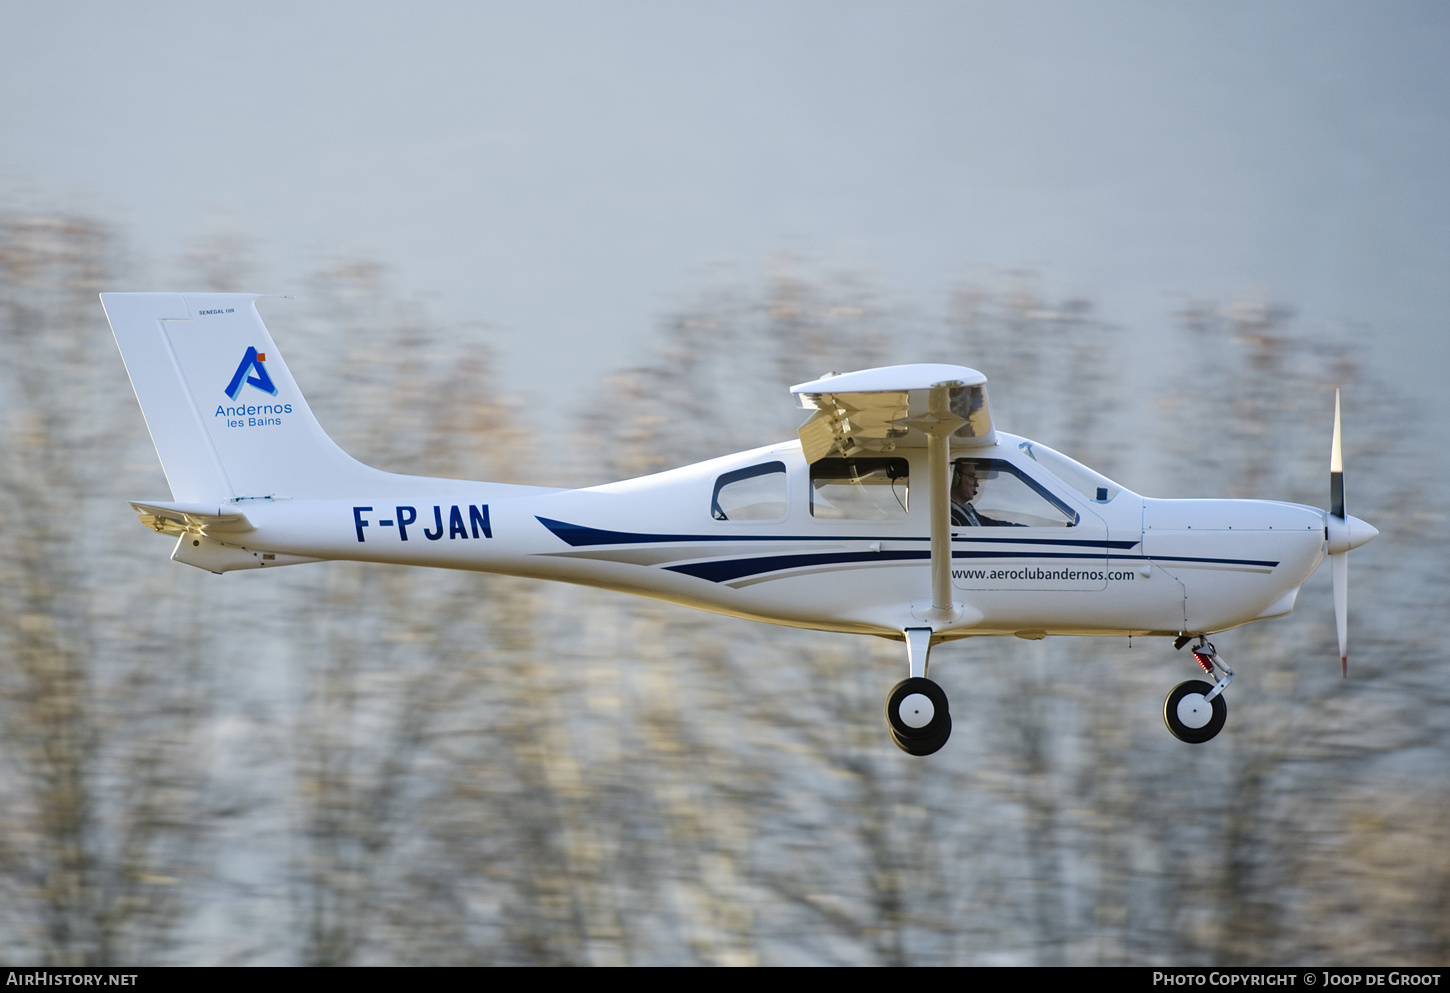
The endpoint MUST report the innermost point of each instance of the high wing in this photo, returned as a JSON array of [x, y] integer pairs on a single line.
[[875, 410], [904, 406]]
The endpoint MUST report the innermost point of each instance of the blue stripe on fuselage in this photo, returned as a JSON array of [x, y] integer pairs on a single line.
[[725, 570], [581, 536], [720, 570]]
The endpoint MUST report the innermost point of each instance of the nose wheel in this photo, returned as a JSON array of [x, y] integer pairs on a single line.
[[1190, 715], [916, 713], [1196, 711]]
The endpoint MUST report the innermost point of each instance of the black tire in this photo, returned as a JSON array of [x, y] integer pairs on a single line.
[[924, 746], [1185, 731], [931, 736]]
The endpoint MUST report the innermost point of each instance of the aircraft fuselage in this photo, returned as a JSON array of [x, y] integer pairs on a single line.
[[1121, 565]]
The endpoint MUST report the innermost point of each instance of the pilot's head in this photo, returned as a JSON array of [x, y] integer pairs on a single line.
[[964, 481]]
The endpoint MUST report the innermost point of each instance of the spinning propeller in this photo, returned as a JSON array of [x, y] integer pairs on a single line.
[[1344, 533]]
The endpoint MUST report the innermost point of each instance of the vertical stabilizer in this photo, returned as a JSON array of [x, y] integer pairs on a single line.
[[227, 418]]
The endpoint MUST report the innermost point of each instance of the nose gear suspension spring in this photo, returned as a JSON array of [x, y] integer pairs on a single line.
[[1207, 658]]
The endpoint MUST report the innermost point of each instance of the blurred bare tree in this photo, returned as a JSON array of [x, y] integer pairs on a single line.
[[346, 764], [100, 769]]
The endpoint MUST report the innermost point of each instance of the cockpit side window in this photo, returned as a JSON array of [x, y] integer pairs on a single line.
[[755, 493], [865, 489], [995, 493]]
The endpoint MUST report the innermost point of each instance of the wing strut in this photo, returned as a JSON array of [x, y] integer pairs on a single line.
[[937, 424]]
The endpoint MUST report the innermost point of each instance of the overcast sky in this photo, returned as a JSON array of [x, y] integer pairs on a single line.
[[567, 171]]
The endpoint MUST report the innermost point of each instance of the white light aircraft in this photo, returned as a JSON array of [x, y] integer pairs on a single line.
[[900, 511]]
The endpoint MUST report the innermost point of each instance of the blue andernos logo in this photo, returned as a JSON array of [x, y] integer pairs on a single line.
[[252, 360]]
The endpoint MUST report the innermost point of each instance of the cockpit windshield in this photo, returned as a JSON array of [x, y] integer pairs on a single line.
[[1092, 485]]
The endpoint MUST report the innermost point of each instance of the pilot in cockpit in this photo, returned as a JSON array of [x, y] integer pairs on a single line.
[[964, 490]]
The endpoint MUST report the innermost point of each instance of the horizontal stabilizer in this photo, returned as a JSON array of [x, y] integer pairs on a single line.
[[192, 518], [207, 536]]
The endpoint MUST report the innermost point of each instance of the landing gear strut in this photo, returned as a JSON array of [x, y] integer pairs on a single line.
[[916, 710], [1196, 711]]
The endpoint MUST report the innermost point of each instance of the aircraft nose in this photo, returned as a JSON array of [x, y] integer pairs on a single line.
[[1345, 533], [1360, 533]]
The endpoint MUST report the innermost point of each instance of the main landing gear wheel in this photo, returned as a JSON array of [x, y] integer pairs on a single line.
[[916, 713], [1190, 715]]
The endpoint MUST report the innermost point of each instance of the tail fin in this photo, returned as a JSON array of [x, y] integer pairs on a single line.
[[227, 418]]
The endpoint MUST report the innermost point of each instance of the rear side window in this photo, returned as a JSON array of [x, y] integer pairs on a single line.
[[859, 489], [756, 493]]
